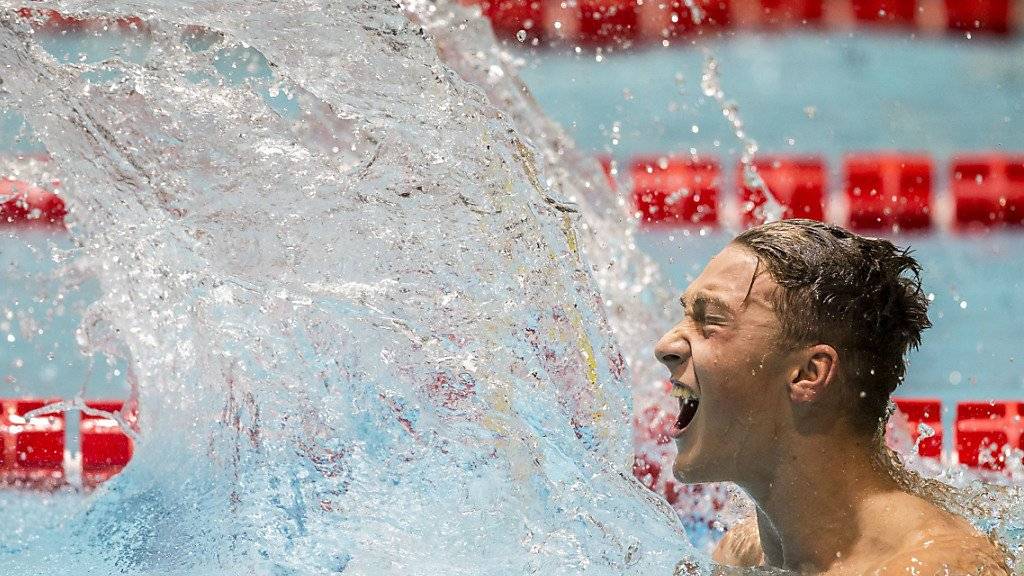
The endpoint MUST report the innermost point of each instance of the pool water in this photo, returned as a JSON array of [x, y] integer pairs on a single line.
[[799, 93]]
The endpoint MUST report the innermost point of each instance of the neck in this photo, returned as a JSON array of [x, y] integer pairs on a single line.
[[811, 501]]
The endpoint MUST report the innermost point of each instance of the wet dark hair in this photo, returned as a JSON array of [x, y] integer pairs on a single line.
[[860, 295]]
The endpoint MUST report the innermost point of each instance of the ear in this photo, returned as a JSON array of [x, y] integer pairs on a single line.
[[816, 368]]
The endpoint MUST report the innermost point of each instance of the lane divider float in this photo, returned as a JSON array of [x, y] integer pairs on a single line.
[[988, 190], [987, 432], [628, 23], [879, 191], [27, 205], [34, 454]]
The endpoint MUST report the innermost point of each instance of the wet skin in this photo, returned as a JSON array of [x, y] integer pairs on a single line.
[[724, 350], [770, 418]]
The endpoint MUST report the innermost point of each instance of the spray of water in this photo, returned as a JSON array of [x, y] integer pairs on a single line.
[[764, 206], [637, 301]]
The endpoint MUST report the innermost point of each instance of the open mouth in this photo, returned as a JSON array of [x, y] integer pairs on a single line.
[[689, 401]]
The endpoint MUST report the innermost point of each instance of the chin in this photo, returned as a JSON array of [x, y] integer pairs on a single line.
[[688, 469]]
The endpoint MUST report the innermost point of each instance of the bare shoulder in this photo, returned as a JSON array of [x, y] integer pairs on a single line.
[[960, 551], [741, 545]]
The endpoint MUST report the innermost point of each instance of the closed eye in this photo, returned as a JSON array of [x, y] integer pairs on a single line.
[[700, 318], [704, 311], [707, 310]]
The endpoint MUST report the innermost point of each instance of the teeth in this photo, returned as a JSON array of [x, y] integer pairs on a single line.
[[682, 392]]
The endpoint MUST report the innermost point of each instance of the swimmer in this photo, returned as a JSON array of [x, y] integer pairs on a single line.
[[792, 340]]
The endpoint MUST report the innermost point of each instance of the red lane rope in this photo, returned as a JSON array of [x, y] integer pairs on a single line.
[[628, 23], [33, 451], [880, 192]]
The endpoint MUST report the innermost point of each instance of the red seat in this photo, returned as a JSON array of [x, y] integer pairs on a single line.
[[885, 12], [106, 449], [797, 182], [979, 15], [676, 190], [926, 411], [22, 204], [606, 22], [986, 428], [785, 13], [889, 191], [988, 190], [34, 448]]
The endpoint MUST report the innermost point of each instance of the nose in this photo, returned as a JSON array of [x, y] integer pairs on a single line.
[[673, 349]]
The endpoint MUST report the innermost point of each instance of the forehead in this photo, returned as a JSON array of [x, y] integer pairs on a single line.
[[735, 277]]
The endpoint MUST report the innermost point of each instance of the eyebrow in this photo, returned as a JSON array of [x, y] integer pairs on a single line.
[[706, 300]]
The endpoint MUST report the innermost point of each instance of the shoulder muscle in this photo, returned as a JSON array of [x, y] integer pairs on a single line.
[[948, 557]]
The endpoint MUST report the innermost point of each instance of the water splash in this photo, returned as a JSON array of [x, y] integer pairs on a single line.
[[696, 11], [766, 208], [635, 293], [350, 317], [993, 503]]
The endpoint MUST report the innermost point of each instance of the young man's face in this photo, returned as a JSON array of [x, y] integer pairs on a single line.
[[724, 352]]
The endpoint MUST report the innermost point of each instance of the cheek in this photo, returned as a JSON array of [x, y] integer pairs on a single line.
[[731, 372], [715, 360], [752, 355]]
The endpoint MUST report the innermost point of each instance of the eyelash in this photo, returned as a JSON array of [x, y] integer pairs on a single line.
[[704, 321]]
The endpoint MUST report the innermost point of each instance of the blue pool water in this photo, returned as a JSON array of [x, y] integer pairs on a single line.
[[797, 93]]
